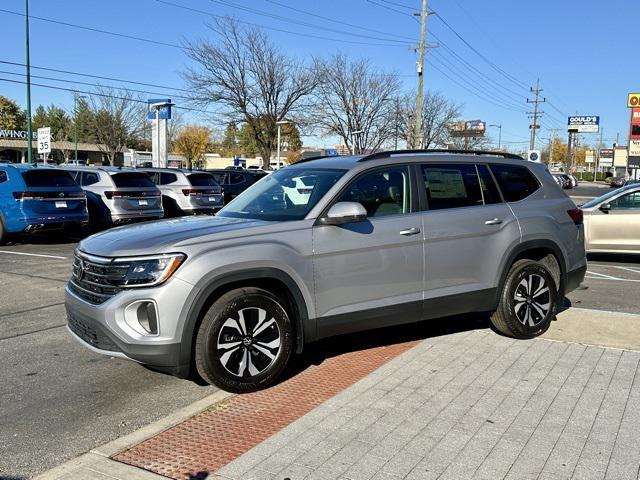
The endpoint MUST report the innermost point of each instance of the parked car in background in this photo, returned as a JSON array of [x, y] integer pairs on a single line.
[[39, 198], [631, 182], [562, 179], [574, 180], [235, 182], [371, 241], [617, 182], [116, 196], [612, 221], [186, 192]]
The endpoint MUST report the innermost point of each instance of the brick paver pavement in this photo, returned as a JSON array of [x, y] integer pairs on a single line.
[[470, 405]]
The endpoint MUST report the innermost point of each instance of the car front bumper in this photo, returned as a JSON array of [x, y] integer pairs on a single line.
[[109, 328]]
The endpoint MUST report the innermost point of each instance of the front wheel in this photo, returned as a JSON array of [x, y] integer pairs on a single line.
[[528, 301], [245, 341]]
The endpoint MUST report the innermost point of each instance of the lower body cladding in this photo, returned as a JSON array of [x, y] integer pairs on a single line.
[[45, 222], [143, 325]]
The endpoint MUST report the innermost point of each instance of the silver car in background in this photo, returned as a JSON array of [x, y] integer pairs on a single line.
[[117, 196], [186, 192]]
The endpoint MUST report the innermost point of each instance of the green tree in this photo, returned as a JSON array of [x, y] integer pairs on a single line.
[[56, 119], [247, 140], [12, 117], [230, 144], [84, 119]]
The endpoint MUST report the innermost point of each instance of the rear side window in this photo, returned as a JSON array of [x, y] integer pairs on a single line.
[[89, 178], [167, 178], [516, 182], [452, 186], [236, 178], [3, 176], [132, 180], [221, 178], [48, 178], [202, 180]]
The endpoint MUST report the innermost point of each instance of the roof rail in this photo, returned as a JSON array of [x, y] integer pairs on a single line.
[[318, 157], [388, 153]]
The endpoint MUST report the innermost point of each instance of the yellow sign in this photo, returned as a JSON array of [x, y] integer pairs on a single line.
[[633, 100]]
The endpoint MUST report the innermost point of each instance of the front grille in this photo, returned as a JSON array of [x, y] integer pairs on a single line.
[[96, 279], [90, 335]]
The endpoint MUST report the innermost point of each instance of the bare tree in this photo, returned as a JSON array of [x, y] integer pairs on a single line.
[[253, 82], [355, 103], [117, 116], [437, 112]]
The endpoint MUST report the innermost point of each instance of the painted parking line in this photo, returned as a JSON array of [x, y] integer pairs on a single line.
[[33, 255], [626, 269], [602, 276]]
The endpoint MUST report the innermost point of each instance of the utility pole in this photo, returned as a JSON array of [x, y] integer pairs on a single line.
[[417, 133], [397, 121], [28, 63], [597, 154], [536, 113]]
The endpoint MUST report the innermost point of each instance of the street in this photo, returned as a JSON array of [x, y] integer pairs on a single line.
[[58, 399]]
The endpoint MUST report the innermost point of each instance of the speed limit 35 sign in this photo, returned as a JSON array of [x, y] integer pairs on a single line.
[[44, 140]]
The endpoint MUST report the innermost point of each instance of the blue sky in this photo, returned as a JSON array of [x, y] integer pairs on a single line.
[[581, 50]]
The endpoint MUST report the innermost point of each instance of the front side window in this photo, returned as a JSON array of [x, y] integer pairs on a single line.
[[516, 182], [382, 192], [630, 201], [279, 197], [452, 186]]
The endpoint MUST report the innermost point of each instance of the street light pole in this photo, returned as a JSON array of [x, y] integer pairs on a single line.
[[279, 124], [75, 124], [356, 141], [499, 127], [28, 64]]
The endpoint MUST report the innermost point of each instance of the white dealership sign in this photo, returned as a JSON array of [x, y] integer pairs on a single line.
[[44, 140], [634, 148]]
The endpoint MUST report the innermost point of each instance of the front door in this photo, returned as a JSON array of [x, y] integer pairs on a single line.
[[619, 228], [370, 273]]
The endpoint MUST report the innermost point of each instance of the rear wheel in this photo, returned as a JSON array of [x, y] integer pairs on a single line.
[[528, 301], [245, 340]]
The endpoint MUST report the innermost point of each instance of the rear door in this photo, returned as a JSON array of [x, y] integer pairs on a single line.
[[467, 228], [619, 229], [134, 192], [369, 274], [204, 192]]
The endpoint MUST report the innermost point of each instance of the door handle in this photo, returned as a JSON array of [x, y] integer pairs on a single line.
[[493, 221], [410, 231]]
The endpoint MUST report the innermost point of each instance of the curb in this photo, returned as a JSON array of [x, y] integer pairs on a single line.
[[97, 462]]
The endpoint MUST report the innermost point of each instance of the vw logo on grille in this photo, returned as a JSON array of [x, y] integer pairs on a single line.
[[61, 194], [81, 269]]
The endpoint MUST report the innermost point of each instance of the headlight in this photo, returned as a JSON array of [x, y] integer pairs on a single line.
[[147, 271]]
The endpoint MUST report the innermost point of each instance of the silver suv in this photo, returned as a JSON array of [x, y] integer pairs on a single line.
[[325, 247], [116, 196], [186, 192]]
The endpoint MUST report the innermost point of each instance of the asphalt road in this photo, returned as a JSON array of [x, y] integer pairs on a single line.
[[58, 399]]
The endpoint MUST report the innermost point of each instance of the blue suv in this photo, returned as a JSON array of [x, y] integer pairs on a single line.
[[38, 198]]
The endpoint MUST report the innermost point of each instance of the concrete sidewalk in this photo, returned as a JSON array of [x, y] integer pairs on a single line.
[[468, 405]]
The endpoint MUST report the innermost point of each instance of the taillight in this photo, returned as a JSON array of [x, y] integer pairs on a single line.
[[26, 195], [111, 194], [120, 194], [576, 215]]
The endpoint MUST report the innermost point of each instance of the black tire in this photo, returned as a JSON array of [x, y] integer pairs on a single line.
[[528, 301], [245, 364], [3, 233]]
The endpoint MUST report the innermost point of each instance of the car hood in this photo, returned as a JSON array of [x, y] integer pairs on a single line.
[[166, 236]]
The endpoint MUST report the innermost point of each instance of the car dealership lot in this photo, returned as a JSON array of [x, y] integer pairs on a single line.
[[59, 399]]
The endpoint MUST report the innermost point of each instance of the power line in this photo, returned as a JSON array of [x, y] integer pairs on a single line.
[[309, 35], [393, 9], [352, 25], [399, 5], [98, 94], [95, 30], [99, 77], [306, 24]]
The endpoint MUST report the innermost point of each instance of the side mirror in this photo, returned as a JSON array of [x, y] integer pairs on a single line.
[[605, 207], [344, 212]]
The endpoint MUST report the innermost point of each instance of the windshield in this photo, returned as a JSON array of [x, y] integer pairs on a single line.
[[288, 194], [606, 196]]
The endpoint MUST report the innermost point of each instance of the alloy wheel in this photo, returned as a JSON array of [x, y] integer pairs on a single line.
[[532, 300], [248, 342]]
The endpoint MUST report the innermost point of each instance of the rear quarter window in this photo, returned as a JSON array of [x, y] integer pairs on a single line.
[[48, 178], [516, 182], [132, 180]]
